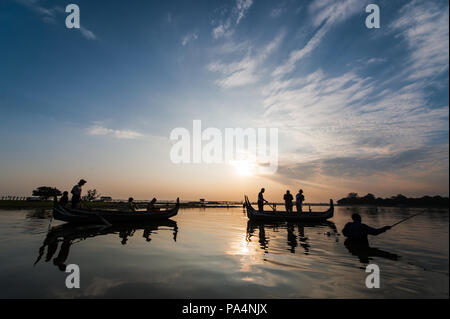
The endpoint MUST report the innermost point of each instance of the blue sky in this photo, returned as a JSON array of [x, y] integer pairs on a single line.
[[357, 109]]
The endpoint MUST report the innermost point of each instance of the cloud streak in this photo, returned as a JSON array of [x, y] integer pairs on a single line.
[[120, 134], [325, 14], [246, 70], [189, 37], [226, 25], [424, 27]]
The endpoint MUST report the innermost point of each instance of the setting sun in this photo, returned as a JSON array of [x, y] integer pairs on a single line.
[[244, 167]]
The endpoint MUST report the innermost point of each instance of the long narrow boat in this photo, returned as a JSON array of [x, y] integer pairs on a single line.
[[273, 216], [81, 216]]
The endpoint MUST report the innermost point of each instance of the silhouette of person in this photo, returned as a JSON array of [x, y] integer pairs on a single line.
[[76, 193], [64, 200], [261, 200], [131, 205], [151, 206], [288, 198], [299, 198], [357, 232]]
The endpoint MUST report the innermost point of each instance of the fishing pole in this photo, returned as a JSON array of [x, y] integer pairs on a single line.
[[405, 219]]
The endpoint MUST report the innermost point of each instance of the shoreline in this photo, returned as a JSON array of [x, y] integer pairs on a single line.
[[20, 204]]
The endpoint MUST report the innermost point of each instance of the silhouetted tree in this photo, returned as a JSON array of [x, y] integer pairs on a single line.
[[45, 192], [398, 200], [92, 195]]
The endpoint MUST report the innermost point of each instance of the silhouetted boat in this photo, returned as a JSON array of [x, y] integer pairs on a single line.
[[270, 216], [82, 216]]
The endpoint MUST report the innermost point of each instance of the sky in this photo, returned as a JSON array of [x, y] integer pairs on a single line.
[[357, 109]]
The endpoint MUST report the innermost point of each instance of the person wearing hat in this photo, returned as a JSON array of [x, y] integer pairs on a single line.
[[76, 193], [299, 198]]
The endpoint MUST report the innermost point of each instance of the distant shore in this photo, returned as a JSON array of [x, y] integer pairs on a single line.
[[395, 201], [23, 204]]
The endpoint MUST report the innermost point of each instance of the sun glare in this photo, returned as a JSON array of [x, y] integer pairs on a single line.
[[244, 167]]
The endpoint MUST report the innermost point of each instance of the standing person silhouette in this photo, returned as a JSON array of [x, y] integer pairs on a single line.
[[261, 200], [299, 198], [288, 198], [76, 193]]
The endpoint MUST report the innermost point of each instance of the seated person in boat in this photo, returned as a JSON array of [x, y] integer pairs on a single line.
[[131, 205], [357, 232], [299, 198], [151, 206], [288, 198], [64, 200]]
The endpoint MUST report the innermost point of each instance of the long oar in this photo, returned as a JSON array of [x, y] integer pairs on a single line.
[[271, 206], [405, 219]]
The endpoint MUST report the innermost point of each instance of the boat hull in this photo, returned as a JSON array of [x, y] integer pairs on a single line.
[[78, 216], [271, 216]]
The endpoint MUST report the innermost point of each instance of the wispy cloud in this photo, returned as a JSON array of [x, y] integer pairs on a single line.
[[189, 37], [120, 134], [226, 23], [48, 14], [242, 7], [363, 165], [88, 34], [425, 28], [245, 71], [333, 115], [325, 14]]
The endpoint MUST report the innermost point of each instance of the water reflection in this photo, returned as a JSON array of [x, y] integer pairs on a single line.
[[68, 234], [365, 253], [295, 233], [220, 246]]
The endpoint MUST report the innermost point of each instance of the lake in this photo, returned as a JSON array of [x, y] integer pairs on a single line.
[[218, 253]]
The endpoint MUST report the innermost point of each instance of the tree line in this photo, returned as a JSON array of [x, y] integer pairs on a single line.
[[398, 200], [46, 192]]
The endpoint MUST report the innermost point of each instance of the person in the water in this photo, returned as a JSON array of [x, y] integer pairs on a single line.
[[357, 232]]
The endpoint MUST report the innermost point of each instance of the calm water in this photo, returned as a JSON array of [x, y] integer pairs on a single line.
[[217, 253]]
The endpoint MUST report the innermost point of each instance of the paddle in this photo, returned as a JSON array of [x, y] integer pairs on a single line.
[[273, 208], [405, 219]]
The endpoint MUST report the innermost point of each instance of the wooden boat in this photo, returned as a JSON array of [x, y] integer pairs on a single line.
[[81, 216], [273, 216]]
